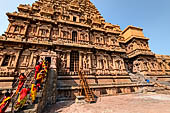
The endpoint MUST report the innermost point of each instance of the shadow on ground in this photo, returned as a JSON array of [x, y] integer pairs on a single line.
[[57, 108]]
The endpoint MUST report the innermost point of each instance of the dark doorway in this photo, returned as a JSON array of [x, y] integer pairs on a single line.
[[74, 36], [128, 65], [74, 19], [74, 61], [48, 59]]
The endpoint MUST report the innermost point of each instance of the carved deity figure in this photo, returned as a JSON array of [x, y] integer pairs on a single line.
[[63, 61], [85, 62], [111, 67], [94, 61], [145, 66]]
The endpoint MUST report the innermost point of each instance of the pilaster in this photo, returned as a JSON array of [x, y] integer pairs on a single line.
[[80, 60], [68, 61]]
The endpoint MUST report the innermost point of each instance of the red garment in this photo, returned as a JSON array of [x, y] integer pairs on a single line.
[[24, 93], [36, 72], [20, 84], [38, 85], [37, 68], [4, 106], [22, 79], [46, 67], [41, 63]]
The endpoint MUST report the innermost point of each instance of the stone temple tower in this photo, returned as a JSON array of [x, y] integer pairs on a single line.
[[74, 35]]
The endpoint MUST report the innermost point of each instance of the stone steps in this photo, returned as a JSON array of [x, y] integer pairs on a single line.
[[28, 109]]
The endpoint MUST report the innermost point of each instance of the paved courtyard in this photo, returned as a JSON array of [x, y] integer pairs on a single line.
[[132, 103]]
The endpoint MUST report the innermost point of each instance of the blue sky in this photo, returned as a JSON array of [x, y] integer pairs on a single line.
[[152, 15]]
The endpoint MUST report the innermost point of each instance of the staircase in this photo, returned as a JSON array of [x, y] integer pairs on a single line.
[[89, 97], [29, 107], [158, 86], [138, 78]]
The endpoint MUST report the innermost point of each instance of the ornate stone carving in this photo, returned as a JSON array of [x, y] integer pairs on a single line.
[[86, 61], [75, 26], [63, 57]]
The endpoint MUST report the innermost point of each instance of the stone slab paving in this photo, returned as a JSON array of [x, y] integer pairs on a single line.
[[132, 103]]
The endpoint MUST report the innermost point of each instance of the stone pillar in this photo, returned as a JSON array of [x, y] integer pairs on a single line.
[[83, 61], [113, 62], [54, 78], [89, 57], [88, 36], [59, 28], [25, 58], [106, 65], [116, 64], [25, 29], [98, 65], [123, 65], [9, 26], [149, 66], [78, 35], [80, 60], [16, 60], [31, 59], [9, 64], [68, 61], [1, 60], [50, 30], [142, 66], [38, 28]]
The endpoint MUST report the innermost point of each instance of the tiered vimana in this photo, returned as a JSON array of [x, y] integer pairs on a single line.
[[74, 36]]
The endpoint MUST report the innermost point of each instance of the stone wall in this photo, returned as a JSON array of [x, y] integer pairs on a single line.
[[49, 91]]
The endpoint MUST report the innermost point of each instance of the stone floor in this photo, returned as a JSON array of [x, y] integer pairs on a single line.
[[132, 103]]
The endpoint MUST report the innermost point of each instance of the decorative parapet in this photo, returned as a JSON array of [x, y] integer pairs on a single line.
[[162, 56], [24, 7], [110, 28], [139, 52]]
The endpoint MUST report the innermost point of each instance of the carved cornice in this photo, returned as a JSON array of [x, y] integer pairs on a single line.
[[140, 52]]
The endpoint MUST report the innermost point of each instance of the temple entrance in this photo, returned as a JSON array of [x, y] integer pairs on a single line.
[[128, 65], [74, 61], [48, 59]]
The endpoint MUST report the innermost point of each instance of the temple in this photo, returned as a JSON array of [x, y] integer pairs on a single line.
[[75, 37]]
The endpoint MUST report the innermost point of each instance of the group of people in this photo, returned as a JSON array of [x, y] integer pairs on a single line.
[[23, 90]]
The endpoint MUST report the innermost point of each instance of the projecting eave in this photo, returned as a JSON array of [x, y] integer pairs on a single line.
[[158, 56], [134, 37], [129, 27]]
